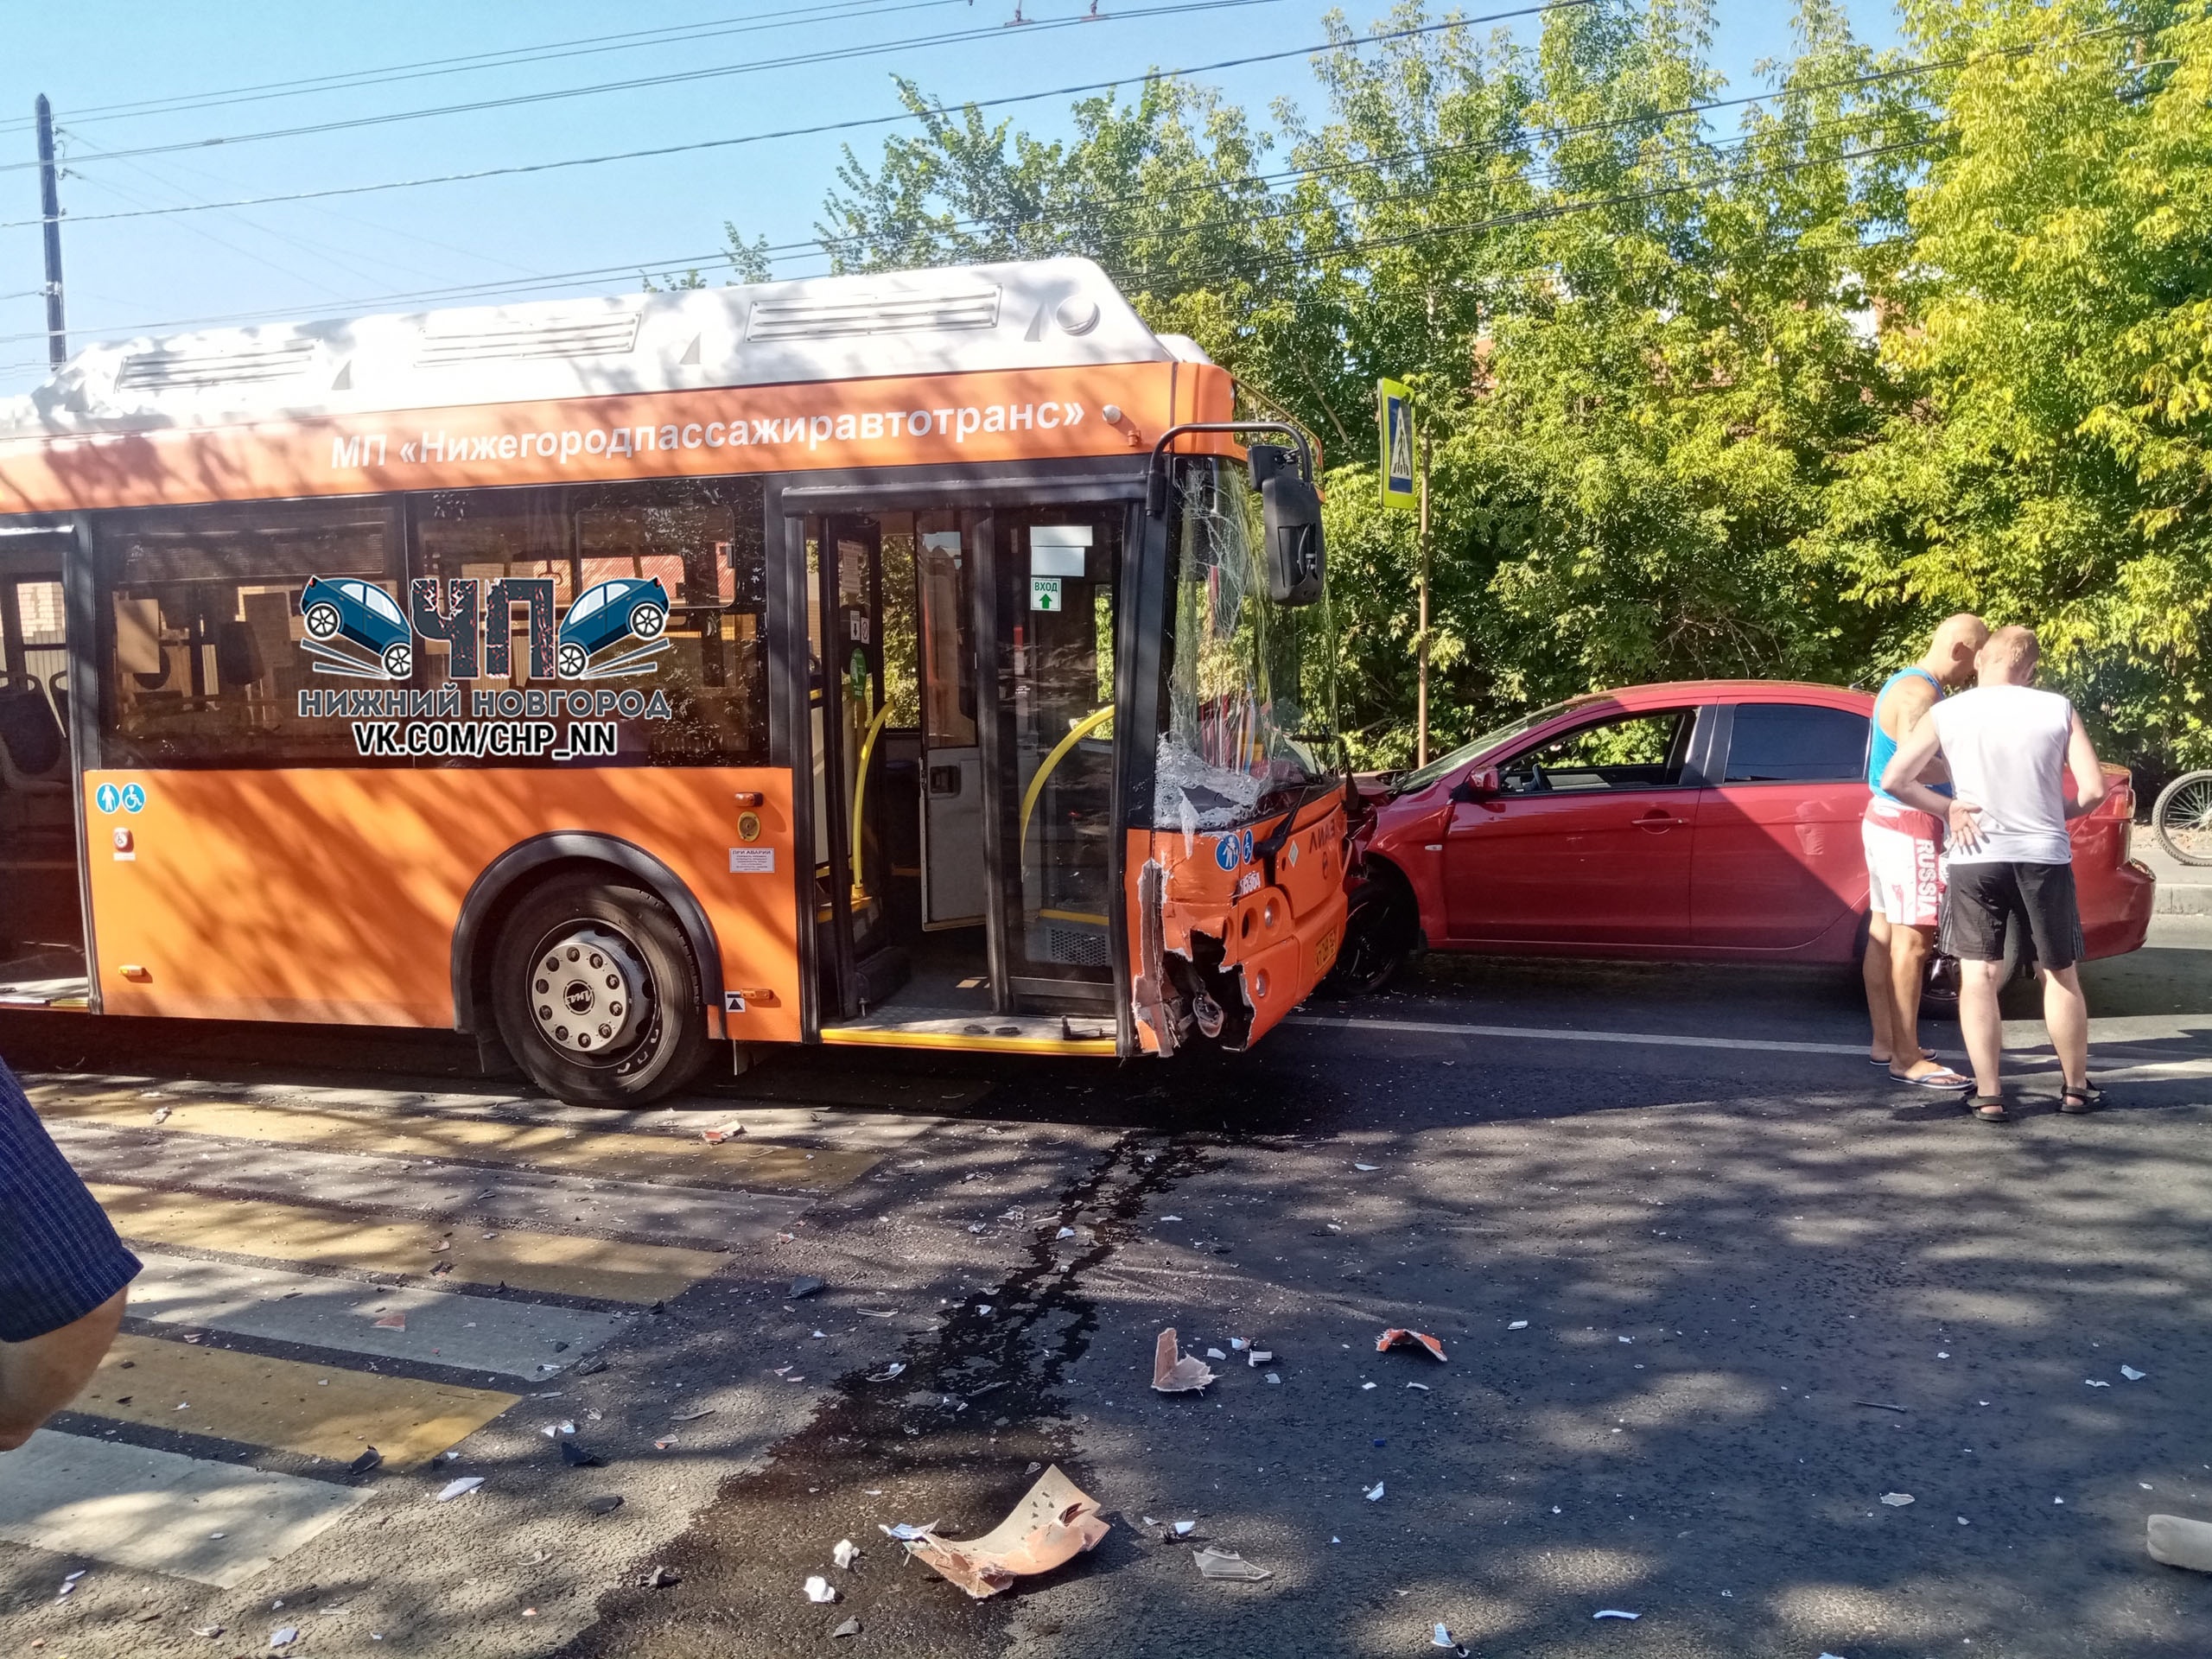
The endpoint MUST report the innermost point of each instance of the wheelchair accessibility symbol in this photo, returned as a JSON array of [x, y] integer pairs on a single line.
[[107, 798], [134, 797]]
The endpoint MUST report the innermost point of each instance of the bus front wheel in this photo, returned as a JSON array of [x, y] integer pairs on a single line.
[[596, 995]]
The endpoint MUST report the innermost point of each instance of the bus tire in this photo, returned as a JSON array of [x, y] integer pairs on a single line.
[[596, 993]]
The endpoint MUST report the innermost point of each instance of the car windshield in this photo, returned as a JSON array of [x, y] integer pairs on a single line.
[[1251, 715], [590, 602], [1421, 777], [382, 603]]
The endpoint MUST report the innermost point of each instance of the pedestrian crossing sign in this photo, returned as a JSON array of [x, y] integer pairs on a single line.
[[1395, 417]]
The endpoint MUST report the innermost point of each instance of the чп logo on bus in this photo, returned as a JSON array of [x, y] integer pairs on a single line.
[[613, 630]]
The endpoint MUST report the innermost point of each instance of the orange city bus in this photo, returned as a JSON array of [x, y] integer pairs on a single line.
[[931, 660]]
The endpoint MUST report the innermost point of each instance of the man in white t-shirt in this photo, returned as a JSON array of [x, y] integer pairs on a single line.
[[2011, 865]]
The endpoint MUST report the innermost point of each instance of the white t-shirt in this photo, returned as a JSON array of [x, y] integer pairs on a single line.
[[2006, 745]]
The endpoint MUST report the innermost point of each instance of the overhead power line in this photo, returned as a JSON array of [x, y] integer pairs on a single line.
[[720, 258], [753, 66], [857, 124], [1261, 261], [589, 46]]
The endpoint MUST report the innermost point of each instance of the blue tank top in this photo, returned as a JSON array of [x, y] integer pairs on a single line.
[[1884, 748]]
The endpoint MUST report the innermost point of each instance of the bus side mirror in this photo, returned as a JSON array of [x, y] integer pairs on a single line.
[[1292, 509]]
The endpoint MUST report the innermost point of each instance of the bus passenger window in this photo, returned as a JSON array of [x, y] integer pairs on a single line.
[[209, 643]]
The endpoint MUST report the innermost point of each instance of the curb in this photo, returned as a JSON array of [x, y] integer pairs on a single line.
[[2179, 900]]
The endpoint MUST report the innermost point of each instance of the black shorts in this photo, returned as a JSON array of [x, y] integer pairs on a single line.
[[1985, 901]]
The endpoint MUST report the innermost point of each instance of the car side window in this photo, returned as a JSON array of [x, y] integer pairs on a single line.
[[1796, 743], [1628, 752]]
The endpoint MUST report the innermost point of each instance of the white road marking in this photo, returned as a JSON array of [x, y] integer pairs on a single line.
[[476, 1333], [216, 1523], [2021, 1039], [1551, 1034]]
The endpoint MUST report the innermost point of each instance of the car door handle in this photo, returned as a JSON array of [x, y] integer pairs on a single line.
[[1658, 822]]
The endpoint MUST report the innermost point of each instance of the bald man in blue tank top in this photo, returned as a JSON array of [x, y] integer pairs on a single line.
[[1904, 870]]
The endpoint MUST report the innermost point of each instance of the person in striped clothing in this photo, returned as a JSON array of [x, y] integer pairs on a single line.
[[64, 1275]]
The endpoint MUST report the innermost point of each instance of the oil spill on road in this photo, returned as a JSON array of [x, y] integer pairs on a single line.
[[961, 1464]]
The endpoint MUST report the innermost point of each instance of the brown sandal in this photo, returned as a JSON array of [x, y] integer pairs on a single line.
[[1988, 1108], [2073, 1102]]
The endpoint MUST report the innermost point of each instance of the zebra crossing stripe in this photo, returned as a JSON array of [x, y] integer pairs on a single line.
[[527, 1340], [161, 1511], [541, 1146], [506, 1197], [607, 1269], [318, 1411]]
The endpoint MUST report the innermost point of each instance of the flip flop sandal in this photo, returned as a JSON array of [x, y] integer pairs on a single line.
[[1988, 1108], [2075, 1102], [1945, 1079]]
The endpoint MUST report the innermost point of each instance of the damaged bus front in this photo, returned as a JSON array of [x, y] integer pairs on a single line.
[[1236, 843]]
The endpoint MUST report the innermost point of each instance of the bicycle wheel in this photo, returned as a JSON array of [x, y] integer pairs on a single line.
[[2182, 817]]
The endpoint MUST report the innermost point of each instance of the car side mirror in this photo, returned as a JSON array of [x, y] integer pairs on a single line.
[[1478, 786], [1292, 508]]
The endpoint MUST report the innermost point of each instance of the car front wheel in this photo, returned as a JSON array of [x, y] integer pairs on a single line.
[[1379, 925], [596, 993]]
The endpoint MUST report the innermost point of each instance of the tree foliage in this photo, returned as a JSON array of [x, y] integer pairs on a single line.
[[1760, 388]]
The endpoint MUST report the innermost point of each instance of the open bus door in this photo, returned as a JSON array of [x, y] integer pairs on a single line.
[[42, 921], [963, 688]]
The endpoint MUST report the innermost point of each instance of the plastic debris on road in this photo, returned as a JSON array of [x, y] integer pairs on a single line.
[[803, 1286], [1614, 1613], [1375, 1494], [907, 1532], [895, 1369], [660, 1578], [845, 1553], [1896, 1500], [1442, 1637], [284, 1636], [2131, 1374], [578, 1456], [457, 1488], [1367, 1169], [1054, 1523], [726, 1132], [820, 1589], [2096, 1383], [1395, 1335], [369, 1459], [850, 1627], [2176, 1540], [1216, 1353], [1518, 1324], [1258, 1357], [604, 1504], [392, 1322], [1423, 1387], [1174, 1371], [1184, 1528], [1272, 1378], [1227, 1565]]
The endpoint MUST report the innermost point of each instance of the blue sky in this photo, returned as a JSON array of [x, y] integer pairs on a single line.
[[339, 257]]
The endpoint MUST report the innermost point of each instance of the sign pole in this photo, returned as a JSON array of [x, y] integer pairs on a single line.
[[1421, 719]]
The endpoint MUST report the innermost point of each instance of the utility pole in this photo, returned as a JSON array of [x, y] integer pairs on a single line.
[[1420, 712], [49, 207]]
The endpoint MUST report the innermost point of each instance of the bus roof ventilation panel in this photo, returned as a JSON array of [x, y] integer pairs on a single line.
[[878, 313], [186, 370], [506, 339]]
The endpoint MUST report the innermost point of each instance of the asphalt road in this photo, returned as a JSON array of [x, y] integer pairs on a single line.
[[1762, 1289]]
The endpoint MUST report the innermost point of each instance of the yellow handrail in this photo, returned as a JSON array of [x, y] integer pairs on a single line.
[[860, 798], [1082, 729]]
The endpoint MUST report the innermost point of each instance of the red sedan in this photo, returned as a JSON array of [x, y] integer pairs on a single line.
[[1709, 819]]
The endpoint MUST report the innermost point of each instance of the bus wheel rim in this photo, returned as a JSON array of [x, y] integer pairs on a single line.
[[588, 992]]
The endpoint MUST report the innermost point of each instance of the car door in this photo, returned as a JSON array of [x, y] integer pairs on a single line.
[[1779, 861], [1586, 842]]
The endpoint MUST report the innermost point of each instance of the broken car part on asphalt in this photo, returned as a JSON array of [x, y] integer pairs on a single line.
[[1174, 1371], [1055, 1522]]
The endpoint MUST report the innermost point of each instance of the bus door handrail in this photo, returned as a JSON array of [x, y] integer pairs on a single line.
[[1081, 729]]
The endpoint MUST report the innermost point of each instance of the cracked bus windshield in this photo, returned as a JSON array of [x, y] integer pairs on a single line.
[[1251, 684]]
